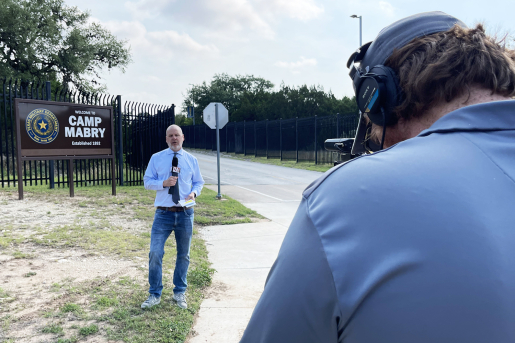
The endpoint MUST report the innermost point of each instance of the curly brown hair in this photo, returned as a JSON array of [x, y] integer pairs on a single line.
[[442, 66]]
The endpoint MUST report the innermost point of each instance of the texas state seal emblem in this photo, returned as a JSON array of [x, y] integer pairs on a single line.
[[42, 126]]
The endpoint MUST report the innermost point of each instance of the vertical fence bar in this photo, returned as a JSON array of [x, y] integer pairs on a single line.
[[281, 138], [12, 130], [266, 135], [337, 125], [244, 139], [296, 139], [255, 139], [316, 147], [120, 137], [1, 150]]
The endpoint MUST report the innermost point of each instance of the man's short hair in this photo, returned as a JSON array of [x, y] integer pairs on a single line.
[[442, 66]]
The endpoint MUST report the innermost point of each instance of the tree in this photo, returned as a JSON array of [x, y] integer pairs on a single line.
[[225, 89], [47, 40], [253, 98]]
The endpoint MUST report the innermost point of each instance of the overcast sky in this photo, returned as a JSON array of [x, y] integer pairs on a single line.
[[176, 43]]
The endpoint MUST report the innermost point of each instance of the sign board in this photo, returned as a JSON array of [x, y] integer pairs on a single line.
[[64, 129], [210, 118], [49, 130], [190, 111]]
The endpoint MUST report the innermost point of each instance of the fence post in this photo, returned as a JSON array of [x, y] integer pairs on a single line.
[[281, 138], [296, 139], [255, 139], [337, 125], [120, 138], [226, 139], [316, 150], [266, 134], [244, 139], [50, 163]]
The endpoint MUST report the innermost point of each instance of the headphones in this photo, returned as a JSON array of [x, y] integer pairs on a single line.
[[377, 89], [377, 86]]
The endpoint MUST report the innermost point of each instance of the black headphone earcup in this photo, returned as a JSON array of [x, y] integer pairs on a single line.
[[377, 93]]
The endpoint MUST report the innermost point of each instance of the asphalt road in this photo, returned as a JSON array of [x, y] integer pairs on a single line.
[[251, 182]]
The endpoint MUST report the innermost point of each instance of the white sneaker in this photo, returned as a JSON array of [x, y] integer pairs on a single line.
[[152, 300], [180, 299]]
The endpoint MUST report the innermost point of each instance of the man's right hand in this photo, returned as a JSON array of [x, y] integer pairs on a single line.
[[171, 181]]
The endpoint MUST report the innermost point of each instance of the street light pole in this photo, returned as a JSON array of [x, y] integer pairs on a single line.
[[355, 16]]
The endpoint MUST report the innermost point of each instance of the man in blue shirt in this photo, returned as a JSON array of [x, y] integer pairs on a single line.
[[414, 242], [171, 216]]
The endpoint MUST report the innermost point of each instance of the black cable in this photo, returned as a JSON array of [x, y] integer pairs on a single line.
[[384, 128]]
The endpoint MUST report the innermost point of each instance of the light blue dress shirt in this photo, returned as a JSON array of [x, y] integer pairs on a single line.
[[158, 170]]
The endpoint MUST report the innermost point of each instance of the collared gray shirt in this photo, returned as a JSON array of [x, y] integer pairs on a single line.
[[413, 244]]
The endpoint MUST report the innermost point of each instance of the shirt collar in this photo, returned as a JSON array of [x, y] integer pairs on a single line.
[[489, 116], [170, 152]]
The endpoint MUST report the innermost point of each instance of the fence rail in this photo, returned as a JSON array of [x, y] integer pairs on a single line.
[[139, 132], [299, 139]]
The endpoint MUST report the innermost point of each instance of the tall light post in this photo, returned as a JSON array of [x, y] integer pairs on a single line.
[[355, 16]]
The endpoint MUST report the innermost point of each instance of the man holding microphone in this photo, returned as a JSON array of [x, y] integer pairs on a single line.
[[175, 175]]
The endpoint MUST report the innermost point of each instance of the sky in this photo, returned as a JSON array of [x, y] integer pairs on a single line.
[[179, 43]]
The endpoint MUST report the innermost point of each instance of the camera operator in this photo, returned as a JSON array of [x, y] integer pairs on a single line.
[[415, 242]]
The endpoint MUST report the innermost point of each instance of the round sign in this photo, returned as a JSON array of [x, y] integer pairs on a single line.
[[42, 126]]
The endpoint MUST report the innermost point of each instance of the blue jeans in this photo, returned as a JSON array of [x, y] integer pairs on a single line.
[[181, 223]]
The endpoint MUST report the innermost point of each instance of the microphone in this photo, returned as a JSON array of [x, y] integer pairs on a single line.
[[174, 171]]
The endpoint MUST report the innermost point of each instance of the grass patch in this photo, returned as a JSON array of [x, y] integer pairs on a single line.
[[19, 254], [111, 309], [115, 242], [53, 328], [71, 308], [88, 330], [200, 276], [29, 274], [106, 301], [211, 211]]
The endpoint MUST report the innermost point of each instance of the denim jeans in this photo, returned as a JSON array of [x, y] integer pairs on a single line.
[[181, 223]]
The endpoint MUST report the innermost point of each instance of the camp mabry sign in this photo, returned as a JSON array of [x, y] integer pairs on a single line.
[[62, 129]]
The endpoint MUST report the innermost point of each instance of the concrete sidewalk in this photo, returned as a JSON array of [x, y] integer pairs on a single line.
[[242, 256]]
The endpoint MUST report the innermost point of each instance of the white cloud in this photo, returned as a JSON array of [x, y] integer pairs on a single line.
[[303, 10], [296, 66], [386, 8], [159, 44], [144, 9], [228, 19]]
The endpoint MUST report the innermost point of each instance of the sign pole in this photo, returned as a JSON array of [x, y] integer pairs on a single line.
[[71, 183], [219, 196]]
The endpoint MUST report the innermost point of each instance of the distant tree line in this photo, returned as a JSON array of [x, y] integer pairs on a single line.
[[253, 98]]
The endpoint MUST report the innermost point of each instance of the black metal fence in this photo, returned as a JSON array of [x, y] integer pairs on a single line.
[[139, 132], [299, 139]]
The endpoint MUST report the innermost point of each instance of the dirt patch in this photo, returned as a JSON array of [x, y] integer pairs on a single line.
[[36, 281]]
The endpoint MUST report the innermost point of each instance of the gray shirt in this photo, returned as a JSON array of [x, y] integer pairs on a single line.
[[415, 243]]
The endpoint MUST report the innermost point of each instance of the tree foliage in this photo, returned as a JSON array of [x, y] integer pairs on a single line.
[[253, 98], [47, 40]]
